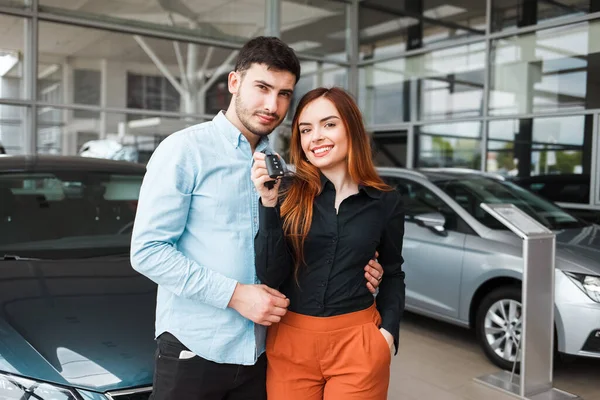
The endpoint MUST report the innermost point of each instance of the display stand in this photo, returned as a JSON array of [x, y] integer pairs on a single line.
[[536, 346]]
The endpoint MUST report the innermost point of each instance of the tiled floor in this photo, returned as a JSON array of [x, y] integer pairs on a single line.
[[438, 361]]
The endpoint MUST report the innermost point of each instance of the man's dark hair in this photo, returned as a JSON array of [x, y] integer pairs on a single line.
[[272, 52]]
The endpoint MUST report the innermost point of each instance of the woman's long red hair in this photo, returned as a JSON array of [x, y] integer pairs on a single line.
[[297, 206]]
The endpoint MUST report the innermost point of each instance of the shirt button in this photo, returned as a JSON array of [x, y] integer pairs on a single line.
[[329, 261], [334, 239]]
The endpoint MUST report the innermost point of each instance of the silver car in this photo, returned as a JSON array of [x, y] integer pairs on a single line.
[[464, 267]]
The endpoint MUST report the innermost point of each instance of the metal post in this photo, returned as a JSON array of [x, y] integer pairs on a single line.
[[537, 333], [410, 147], [30, 77], [67, 136], [273, 18], [352, 45], [103, 98]]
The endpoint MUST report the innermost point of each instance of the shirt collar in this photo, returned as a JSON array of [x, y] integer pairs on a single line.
[[370, 191], [227, 129]]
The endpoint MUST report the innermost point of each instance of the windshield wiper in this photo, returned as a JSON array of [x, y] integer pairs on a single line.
[[14, 257]]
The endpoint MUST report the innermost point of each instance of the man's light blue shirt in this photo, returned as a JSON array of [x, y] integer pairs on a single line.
[[194, 236]]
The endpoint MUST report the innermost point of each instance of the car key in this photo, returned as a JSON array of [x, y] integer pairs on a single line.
[[274, 169]]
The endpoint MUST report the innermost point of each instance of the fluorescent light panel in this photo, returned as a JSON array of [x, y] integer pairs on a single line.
[[7, 61]]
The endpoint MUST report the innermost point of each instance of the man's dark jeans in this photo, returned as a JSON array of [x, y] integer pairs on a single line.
[[200, 379]]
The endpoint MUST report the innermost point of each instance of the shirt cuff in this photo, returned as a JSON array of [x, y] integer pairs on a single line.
[[225, 288], [393, 328], [268, 217]]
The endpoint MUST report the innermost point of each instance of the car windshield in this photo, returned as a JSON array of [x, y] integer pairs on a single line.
[[470, 192], [68, 214]]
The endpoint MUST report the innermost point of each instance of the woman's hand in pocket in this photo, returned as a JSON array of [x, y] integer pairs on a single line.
[[260, 175], [388, 337]]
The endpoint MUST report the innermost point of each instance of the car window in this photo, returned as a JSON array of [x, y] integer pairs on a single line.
[[420, 200], [470, 192], [67, 211]]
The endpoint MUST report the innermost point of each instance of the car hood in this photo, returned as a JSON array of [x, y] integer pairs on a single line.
[[83, 323], [578, 250]]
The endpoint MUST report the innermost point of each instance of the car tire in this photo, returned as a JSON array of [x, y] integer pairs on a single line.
[[498, 325]]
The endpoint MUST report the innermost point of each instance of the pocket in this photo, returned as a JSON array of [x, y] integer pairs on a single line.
[[380, 339], [169, 350]]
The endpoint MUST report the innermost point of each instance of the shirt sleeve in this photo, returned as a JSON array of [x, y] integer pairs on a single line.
[[161, 217], [391, 297], [274, 262]]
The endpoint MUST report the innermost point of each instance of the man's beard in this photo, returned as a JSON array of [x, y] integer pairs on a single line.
[[245, 115]]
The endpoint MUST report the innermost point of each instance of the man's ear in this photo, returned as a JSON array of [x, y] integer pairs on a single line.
[[234, 80]]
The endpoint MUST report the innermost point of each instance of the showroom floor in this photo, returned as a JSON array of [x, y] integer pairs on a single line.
[[438, 361]]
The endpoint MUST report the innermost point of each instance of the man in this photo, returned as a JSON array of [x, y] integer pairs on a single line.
[[194, 236]]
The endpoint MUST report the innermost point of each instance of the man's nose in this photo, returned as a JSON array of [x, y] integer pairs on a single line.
[[271, 103]]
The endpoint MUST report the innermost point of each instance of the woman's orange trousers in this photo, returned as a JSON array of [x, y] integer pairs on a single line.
[[344, 357]]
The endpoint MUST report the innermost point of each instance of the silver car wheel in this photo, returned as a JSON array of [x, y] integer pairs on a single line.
[[503, 326]]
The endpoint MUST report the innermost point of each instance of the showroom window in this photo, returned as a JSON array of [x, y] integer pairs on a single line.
[[231, 21], [12, 57], [521, 13], [549, 70], [452, 145], [390, 27], [151, 93], [441, 84], [12, 122], [541, 146]]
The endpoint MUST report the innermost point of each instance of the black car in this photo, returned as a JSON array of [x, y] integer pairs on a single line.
[[76, 320], [565, 189]]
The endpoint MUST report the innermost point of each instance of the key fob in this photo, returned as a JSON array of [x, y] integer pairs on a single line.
[[274, 166], [274, 169]]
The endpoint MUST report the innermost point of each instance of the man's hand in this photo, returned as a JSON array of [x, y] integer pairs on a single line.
[[374, 274], [259, 303]]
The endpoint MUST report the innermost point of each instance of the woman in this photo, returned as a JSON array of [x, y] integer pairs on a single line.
[[313, 241]]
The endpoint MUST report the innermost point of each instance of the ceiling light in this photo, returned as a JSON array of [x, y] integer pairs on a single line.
[[304, 45], [443, 11], [7, 61]]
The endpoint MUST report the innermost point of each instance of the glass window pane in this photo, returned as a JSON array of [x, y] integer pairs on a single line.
[[11, 57], [383, 97], [387, 28], [454, 145], [549, 70], [519, 13], [72, 132], [233, 21], [314, 27], [442, 84], [23, 4], [544, 147], [317, 74], [12, 129], [72, 61]]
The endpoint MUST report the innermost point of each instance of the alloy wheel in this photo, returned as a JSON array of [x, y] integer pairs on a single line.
[[503, 326]]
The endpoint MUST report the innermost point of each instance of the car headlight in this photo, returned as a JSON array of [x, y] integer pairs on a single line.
[[14, 387], [588, 283]]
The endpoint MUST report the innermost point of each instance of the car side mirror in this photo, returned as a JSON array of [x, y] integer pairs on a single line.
[[434, 221]]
